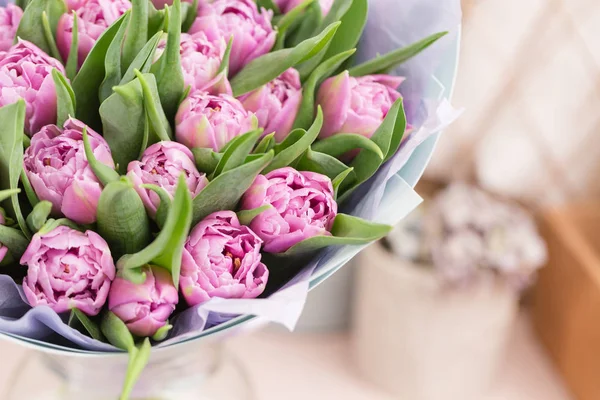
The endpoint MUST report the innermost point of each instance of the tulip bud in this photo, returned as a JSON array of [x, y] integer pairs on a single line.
[[3, 249], [251, 29], [68, 269], [58, 170], [221, 258], [93, 18], [10, 16], [276, 104], [356, 104], [302, 206], [209, 121], [26, 72], [144, 308], [285, 6], [161, 165]]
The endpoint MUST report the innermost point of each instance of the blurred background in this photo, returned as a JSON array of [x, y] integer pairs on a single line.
[[491, 289]]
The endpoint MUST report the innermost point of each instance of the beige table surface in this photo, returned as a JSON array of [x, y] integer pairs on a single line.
[[324, 363]]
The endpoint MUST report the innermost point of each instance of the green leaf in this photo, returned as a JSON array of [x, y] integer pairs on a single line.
[[11, 157], [398, 134], [6, 194], [116, 332], [367, 163], [39, 29], [169, 76], [206, 159], [29, 192], [341, 143], [52, 224], [40, 214], [112, 62], [162, 332], [353, 24], [65, 98], [90, 76], [90, 326], [152, 105], [143, 61], [72, 59], [265, 144], [293, 17], [237, 151], [146, 136], [14, 240], [137, 30], [224, 67], [226, 190], [291, 153], [346, 230], [269, 5], [121, 218], [167, 249], [384, 63], [165, 203], [138, 358], [49, 34], [104, 173], [246, 216], [312, 20], [338, 180], [190, 11], [321, 163], [306, 111], [268, 67]]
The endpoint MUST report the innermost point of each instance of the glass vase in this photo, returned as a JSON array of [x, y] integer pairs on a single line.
[[191, 371]]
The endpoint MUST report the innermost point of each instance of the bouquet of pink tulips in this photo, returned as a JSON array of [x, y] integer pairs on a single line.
[[154, 156]]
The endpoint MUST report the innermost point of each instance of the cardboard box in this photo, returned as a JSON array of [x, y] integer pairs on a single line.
[[566, 298]]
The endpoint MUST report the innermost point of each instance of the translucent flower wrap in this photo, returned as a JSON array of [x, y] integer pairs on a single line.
[[68, 269], [222, 259], [161, 165], [144, 308], [25, 72], [10, 16], [241, 19], [58, 169]]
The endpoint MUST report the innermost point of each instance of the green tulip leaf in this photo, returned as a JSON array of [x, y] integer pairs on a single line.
[[398, 133], [169, 75], [367, 163], [11, 157], [338, 180], [341, 143], [235, 155], [165, 203], [137, 30], [143, 61], [206, 159], [7, 194], [285, 157], [121, 218], [268, 67], [14, 240], [90, 76], [306, 112], [246, 216], [266, 143], [346, 230], [72, 59], [152, 104], [167, 249], [90, 327], [29, 192], [51, 224], [138, 358], [162, 332], [38, 24], [112, 61], [103, 172], [269, 5], [156, 19], [116, 332], [308, 27], [353, 23], [189, 12], [290, 20], [386, 62], [65, 98], [224, 67], [226, 190], [321, 163], [40, 214]]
